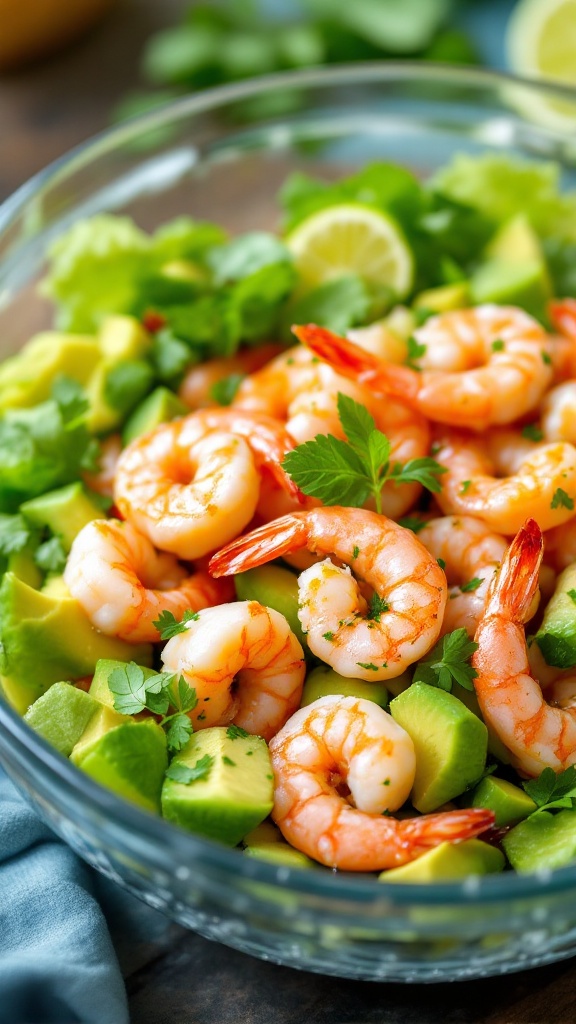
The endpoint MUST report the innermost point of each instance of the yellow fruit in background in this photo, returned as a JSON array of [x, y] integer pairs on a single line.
[[30, 29]]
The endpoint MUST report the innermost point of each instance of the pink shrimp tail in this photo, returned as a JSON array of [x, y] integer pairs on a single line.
[[563, 316], [516, 582], [354, 362], [289, 533], [448, 827]]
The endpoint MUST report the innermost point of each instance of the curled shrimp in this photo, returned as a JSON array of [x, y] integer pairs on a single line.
[[339, 742], [194, 483], [470, 552], [196, 388], [123, 583], [244, 662], [558, 413], [102, 480], [372, 642], [481, 366], [511, 699], [541, 481]]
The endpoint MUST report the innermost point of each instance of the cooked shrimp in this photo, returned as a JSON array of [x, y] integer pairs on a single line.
[[481, 366], [123, 583], [194, 483], [405, 614], [470, 553], [558, 413], [245, 664], [196, 388], [542, 486], [339, 742], [560, 545], [511, 699]]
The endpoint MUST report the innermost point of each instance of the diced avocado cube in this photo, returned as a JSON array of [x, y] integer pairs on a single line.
[[322, 681], [512, 284], [45, 637], [61, 716], [123, 337], [450, 742], [556, 637], [159, 407], [130, 758], [265, 833], [64, 511], [26, 379], [509, 803], [447, 862], [103, 720], [543, 840], [232, 797], [274, 587], [515, 241], [279, 853], [22, 564], [445, 298]]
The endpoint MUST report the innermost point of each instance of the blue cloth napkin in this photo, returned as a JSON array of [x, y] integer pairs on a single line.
[[57, 961]]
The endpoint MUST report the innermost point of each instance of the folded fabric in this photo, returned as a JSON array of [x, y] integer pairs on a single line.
[[57, 961]]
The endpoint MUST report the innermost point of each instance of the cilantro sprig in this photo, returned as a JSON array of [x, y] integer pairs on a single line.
[[448, 662], [347, 472], [134, 691], [185, 773], [168, 626], [550, 790]]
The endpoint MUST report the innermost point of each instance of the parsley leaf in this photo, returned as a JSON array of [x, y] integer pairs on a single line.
[[235, 732], [51, 556], [561, 500], [347, 472], [448, 663], [472, 585], [14, 534], [134, 690], [128, 685], [184, 773], [551, 790], [168, 626], [377, 606]]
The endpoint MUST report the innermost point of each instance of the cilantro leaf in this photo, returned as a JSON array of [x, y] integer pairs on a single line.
[[551, 790], [186, 696], [184, 773], [377, 606], [224, 391], [178, 732], [51, 556], [128, 686], [412, 523], [14, 534], [168, 626], [448, 663], [415, 351], [235, 732], [329, 469], [471, 585], [70, 398], [423, 471], [561, 499], [532, 432]]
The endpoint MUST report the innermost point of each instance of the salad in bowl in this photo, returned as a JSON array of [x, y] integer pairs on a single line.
[[288, 527]]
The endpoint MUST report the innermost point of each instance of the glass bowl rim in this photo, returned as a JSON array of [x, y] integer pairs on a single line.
[[496, 888]]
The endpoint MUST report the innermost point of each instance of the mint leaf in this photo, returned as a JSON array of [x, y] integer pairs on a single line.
[[448, 662], [168, 626], [128, 686], [178, 732], [183, 773]]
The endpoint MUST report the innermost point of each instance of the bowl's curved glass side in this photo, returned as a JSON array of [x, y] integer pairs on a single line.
[[198, 157]]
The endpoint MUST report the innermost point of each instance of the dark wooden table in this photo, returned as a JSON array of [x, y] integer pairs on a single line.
[[179, 978]]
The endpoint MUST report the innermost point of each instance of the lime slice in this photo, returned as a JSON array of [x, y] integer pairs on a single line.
[[351, 239], [541, 43]]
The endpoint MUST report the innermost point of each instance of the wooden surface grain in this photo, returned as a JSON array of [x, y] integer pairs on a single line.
[[44, 111]]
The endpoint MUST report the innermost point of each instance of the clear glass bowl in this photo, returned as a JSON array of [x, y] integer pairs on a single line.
[[200, 156]]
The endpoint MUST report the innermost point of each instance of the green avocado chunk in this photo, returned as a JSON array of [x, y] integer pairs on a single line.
[[444, 298], [22, 564], [274, 587], [129, 758], [161, 406], [509, 803], [323, 680], [543, 840], [512, 284], [450, 743], [64, 511], [447, 862], [556, 637], [279, 853], [233, 795], [45, 637], [61, 715], [26, 379], [123, 343]]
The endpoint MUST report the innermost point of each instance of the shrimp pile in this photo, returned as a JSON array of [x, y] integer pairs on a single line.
[[491, 396]]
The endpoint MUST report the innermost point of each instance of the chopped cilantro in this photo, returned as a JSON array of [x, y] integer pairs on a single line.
[[235, 732], [328, 636], [532, 432], [497, 345], [377, 606], [224, 391], [168, 626], [228, 760], [415, 351], [184, 773], [441, 563], [464, 486], [355, 551], [561, 500], [448, 662], [368, 665], [51, 556], [412, 523], [472, 585], [546, 358], [572, 594]]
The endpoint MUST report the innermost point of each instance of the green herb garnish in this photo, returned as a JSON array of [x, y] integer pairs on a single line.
[[448, 662]]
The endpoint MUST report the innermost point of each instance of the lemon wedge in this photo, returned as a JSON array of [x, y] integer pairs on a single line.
[[351, 239]]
